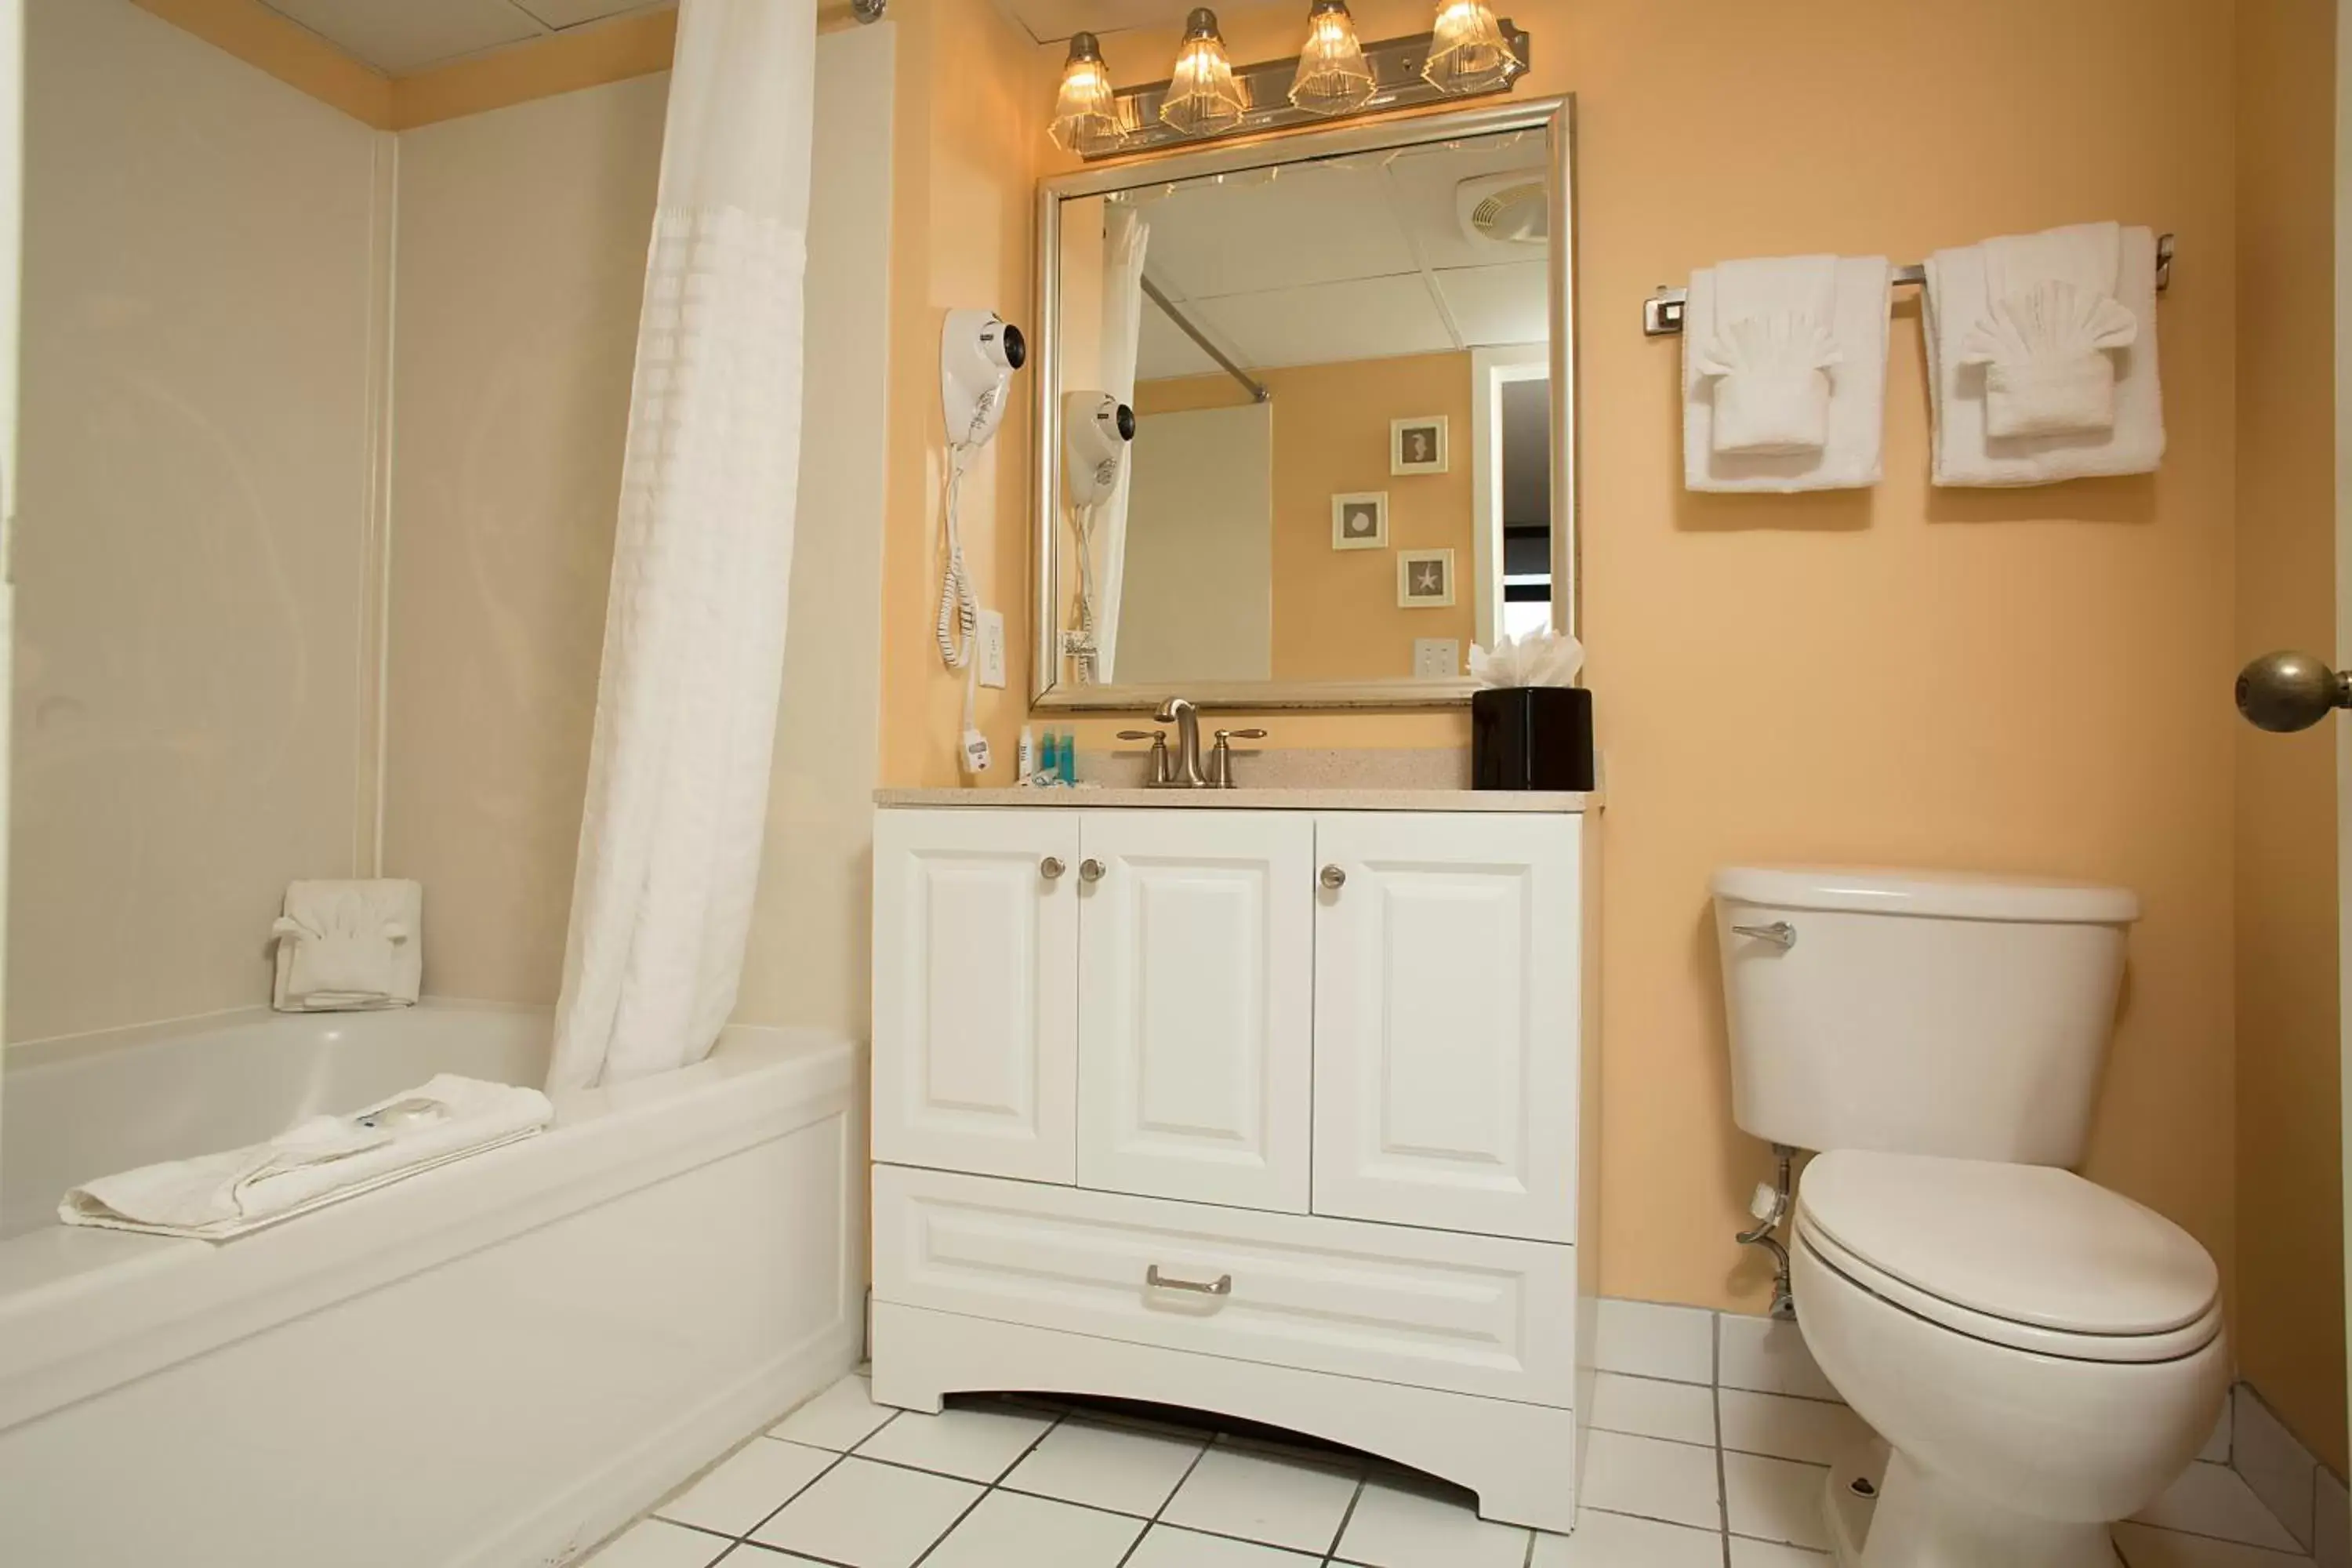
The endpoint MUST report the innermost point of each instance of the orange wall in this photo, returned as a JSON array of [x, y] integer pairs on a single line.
[[2032, 680], [970, 126], [2289, 1328], [1336, 616]]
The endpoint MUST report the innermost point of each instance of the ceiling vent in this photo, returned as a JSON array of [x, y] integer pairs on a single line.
[[1506, 210]]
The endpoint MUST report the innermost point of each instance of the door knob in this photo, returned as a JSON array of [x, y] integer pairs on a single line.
[[1333, 877], [1051, 868], [1090, 870], [2284, 692]]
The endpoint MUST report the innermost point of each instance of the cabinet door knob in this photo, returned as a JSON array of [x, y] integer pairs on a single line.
[[1333, 877], [1051, 868], [1091, 869]]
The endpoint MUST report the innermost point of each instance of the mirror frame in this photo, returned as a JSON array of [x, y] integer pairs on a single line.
[[1554, 116]]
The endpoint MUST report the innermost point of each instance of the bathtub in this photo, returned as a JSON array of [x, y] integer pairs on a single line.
[[493, 1364]]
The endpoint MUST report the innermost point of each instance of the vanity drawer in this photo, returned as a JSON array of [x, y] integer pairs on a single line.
[[1432, 1309]]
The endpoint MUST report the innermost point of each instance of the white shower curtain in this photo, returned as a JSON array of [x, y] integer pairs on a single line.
[[1125, 238], [694, 627]]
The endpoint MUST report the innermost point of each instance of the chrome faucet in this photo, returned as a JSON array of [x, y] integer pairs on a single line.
[[1185, 767]]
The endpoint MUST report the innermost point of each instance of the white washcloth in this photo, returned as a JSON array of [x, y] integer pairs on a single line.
[[2076, 382], [1849, 455], [1768, 356], [348, 945], [319, 1161]]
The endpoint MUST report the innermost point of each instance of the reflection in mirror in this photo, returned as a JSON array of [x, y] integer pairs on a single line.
[[1341, 462]]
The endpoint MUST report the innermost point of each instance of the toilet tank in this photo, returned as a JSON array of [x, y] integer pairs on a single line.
[[1919, 1011]]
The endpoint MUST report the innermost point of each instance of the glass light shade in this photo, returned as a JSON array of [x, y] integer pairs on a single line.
[[1467, 51], [1086, 112], [1203, 97], [1332, 76]]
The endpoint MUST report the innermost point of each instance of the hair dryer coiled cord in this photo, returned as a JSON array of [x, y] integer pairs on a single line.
[[959, 619]]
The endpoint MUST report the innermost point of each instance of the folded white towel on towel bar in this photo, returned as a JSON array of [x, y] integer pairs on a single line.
[[321, 1161], [1784, 374], [2041, 361], [348, 945]]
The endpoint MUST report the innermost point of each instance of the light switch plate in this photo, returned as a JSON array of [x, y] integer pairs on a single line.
[[992, 647], [1436, 659]]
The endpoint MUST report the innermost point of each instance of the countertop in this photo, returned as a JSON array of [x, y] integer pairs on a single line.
[[1255, 799]]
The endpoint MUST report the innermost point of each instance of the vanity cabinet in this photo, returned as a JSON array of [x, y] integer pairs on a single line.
[[1278, 1112]]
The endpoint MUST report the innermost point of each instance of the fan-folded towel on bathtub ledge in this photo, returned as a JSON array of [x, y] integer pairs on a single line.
[[321, 1161]]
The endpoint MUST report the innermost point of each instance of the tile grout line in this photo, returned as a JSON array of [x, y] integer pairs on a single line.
[[1722, 1479], [1346, 1514], [1152, 1523], [989, 1488]]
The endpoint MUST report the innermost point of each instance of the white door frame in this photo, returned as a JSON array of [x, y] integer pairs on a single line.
[[1490, 369]]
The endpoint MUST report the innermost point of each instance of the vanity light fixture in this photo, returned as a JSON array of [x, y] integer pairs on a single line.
[[1467, 51], [1203, 99], [1086, 112], [1470, 54], [1332, 76]]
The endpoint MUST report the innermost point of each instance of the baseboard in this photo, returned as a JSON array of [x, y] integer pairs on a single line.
[[583, 1513]]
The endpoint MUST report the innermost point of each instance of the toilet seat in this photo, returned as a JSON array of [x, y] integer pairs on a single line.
[[2028, 1257]]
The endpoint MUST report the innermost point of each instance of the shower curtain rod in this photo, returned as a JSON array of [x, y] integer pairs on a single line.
[[1257, 390]]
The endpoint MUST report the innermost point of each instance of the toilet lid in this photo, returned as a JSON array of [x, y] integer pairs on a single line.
[[2021, 1244]]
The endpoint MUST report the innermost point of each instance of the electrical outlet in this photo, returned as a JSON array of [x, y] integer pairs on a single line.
[[1436, 659], [992, 647]]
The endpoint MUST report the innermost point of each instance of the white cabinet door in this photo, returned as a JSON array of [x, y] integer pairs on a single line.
[[1448, 980], [975, 991], [1195, 1009]]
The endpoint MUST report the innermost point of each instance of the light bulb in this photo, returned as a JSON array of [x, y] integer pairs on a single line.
[[1332, 76], [1203, 97], [1467, 51], [1086, 112]]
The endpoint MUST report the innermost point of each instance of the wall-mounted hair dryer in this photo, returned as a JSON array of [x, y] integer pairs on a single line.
[[1096, 429], [978, 351]]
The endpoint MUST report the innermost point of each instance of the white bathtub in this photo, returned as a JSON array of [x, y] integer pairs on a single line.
[[492, 1364]]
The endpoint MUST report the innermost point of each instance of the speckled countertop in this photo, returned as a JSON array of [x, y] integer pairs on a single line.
[[1255, 799]]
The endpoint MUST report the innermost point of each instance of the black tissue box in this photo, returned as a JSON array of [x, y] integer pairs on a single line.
[[1531, 737]]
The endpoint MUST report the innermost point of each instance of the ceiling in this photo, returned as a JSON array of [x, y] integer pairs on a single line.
[[1052, 21], [399, 37], [1352, 259]]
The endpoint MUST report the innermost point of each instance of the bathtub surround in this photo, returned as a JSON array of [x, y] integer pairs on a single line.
[[206, 266], [695, 629]]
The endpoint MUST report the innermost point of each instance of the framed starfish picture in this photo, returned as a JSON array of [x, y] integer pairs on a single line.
[[1425, 579]]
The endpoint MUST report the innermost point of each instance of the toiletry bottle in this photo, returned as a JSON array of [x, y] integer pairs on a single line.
[[1047, 753], [1024, 757], [1069, 758]]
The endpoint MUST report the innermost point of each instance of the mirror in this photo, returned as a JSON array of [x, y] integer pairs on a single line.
[[1344, 354]]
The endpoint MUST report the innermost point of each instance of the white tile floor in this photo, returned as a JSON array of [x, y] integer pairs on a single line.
[[1679, 1474]]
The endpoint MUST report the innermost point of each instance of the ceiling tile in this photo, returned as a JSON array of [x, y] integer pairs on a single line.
[[401, 36], [1494, 305], [1364, 318], [572, 13], [1310, 224], [1052, 21], [1162, 350]]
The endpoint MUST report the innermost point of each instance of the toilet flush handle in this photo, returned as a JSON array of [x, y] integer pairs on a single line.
[[1779, 933]]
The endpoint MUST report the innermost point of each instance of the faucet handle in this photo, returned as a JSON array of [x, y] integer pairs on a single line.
[[1220, 770], [1162, 771]]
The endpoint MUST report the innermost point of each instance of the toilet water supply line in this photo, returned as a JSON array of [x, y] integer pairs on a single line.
[[1770, 1206]]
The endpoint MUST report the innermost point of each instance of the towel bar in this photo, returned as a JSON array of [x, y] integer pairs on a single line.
[[1662, 313]]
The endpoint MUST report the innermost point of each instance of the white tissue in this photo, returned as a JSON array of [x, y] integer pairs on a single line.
[[1538, 659]]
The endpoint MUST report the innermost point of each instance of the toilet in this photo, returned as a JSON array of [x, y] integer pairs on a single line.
[[2041, 1356]]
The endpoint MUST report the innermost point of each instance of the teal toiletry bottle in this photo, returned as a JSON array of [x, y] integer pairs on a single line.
[[1069, 758], [1047, 754]]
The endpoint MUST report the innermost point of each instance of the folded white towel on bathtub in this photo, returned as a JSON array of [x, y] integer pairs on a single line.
[[348, 945], [321, 1161]]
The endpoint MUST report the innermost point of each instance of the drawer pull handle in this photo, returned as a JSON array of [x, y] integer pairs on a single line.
[[1223, 1285]]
